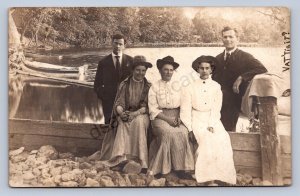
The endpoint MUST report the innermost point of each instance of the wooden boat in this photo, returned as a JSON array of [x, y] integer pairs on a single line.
[[49, 68]]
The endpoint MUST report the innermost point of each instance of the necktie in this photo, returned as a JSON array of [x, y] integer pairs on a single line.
[[227, 56], [118, 67]]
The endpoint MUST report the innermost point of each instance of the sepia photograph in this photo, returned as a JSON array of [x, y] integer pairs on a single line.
[[149, 97]]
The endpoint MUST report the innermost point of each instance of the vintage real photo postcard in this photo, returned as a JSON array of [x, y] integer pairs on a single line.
[[149, 96]]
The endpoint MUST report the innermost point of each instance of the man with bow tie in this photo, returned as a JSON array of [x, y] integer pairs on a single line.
[[234, 71], [112, 69]]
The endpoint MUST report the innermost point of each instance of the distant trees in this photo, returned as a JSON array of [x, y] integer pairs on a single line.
[[91, 27]]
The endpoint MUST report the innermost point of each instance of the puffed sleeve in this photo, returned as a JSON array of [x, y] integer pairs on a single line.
[[215, 114], [186, 107], [153, 105]]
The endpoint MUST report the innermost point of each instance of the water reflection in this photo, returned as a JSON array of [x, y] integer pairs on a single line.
[[55, 101]]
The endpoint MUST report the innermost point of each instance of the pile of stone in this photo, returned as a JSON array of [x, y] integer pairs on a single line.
[[48, 168]]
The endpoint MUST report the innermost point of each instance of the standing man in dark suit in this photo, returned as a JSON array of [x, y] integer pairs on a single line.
[[112, 69], [234, 71]]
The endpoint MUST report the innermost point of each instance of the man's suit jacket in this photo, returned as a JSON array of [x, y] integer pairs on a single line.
[[106, 81], [241, 64]]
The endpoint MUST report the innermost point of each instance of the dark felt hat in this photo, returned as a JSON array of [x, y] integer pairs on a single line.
[[140, 60], [166, 60], [207, 59]]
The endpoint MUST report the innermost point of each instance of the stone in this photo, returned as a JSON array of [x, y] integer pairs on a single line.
[[158, 182], [57, 163], [41, 161], [21, 157], [28, 176], [247, 179], [69, 184], [267, 183], [85, 165], [16, 152], [48, 152], [187, 182], [72, 164], [257, 182], [90, 173], [48, 182], [239, 179], [99, 166], [127, 180], [172, 177], [81, 159], [68, 176], [34, 152], [66, 169], [66, 155], [132, 168], [119, 180], [92, 183], [106, 181], [57, 179], [36, 172], [45, 173], [55, 171]]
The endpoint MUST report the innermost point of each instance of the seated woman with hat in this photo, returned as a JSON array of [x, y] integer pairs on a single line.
[[201, 104], [130, 111], [170, 149]]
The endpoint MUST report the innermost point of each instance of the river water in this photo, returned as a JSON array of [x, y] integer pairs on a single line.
[[48, 100]]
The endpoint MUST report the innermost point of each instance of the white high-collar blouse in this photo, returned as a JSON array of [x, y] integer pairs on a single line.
[[163, 95]]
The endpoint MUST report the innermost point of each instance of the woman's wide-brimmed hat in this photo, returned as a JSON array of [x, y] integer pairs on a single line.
[[207, 59], [140, 60], [166, 60]]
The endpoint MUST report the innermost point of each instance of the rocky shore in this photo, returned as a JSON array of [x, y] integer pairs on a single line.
[[46, 167]]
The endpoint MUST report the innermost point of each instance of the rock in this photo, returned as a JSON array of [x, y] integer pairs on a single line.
[[287, 181], [90, 173], [81, 159], [48, 182], [239, 179], [66, 155], [171, 183], [106, 181], [28, 176], [68, 176], [36, 172], [72, 164], [21, 157], [127, 180], [55, 171], [16, 152], [257, 182], [16, 181], [132, 168], [92, 183], [45, 173], [66, 169], [187, 182], [95, 156], [31, 159], [34, 152], [85, 165], [41, 161], [48, 152], [119, 180], [57, 163], [136, 180], [158, 182], [69, 184], [267, 183], [172, 177], [99, 166], [57, 179], [247, 179]]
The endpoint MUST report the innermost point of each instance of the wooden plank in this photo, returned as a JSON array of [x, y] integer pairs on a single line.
[[255, 172], [62, 144], [285, 144], [52, 128], [245, 141], [249, 159], [270, 143]]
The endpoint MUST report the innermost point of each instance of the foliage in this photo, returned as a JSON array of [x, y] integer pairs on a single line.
[[90, 27]]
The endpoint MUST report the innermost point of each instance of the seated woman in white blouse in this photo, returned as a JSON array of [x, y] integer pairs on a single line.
[[170, 149], [200, 112]]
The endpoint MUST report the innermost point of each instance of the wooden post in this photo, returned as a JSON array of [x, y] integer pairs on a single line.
[[269, 140]]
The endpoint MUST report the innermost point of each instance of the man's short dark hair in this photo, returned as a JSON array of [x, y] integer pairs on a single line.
[[228, 28], [118, 36]]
